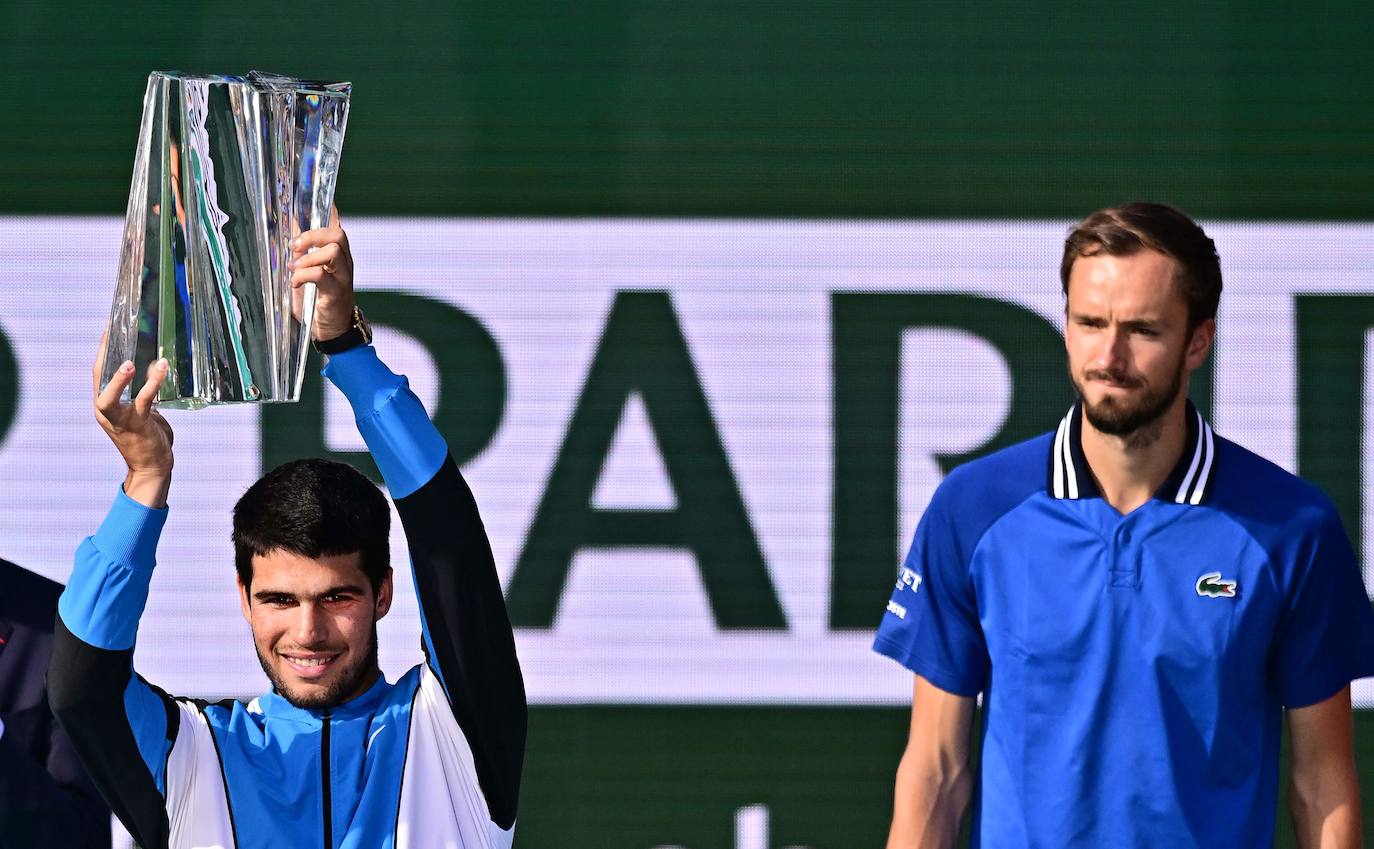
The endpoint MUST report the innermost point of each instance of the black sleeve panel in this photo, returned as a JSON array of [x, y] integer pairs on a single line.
[[465, 614], [45, 806], [86, 692]]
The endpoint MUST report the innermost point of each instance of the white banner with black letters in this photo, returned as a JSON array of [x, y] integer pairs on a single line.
[[685, 436]]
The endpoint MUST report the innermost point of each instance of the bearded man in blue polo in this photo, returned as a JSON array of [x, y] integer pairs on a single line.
[[1140, 602]]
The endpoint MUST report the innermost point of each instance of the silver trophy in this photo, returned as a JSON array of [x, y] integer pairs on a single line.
[[227, 172]]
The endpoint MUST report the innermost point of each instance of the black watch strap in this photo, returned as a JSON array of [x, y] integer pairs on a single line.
[[358, 334]]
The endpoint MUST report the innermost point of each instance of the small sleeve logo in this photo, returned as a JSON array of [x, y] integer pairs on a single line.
[[1211, 585], [908, 578]]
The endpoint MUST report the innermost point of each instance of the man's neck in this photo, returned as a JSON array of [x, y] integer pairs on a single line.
[[1129, 470], [368, 680]]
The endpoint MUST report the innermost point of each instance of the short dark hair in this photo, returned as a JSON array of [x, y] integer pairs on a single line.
[[314, 508], [1134, 227]]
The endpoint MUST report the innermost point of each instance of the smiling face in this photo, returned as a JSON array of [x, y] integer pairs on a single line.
[[314, 623], [1128, 341]]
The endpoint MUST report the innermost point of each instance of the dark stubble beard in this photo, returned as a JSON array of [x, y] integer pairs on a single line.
[[1115, 418], [348, 682]]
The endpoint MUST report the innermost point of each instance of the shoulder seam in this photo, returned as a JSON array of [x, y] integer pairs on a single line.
[[973, 550], [1271, 570]]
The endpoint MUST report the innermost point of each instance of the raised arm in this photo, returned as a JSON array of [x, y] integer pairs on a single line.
[[117, 723], [467, 634]]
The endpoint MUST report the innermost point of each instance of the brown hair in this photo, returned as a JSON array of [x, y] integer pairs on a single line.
[[1134, 227]]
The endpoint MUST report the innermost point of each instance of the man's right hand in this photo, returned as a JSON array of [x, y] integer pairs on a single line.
[[138, 430]]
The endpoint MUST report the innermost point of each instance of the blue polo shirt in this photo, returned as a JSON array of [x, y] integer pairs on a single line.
[[1134, 668]]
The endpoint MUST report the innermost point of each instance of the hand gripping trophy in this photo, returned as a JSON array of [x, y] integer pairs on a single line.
[[227, 172]]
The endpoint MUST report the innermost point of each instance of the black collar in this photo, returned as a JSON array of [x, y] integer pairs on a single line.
[[1189, 482]]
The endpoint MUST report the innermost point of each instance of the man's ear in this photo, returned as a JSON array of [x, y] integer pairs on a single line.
[[384, 595], [243, 599], [1200, 343]]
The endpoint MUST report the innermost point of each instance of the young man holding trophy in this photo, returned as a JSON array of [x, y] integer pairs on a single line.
[[334, 755]]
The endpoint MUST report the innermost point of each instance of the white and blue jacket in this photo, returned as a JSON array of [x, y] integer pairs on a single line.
[[432, 760]]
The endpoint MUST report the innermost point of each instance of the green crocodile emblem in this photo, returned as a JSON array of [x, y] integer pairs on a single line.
[[1212, 586]]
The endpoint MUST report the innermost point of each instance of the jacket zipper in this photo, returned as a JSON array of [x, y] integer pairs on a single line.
[[324, 782]]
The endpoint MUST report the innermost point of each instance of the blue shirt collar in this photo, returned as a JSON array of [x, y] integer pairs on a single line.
[[1190, 482]]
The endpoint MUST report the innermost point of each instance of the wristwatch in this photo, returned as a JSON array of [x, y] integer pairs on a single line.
[[359, 334]]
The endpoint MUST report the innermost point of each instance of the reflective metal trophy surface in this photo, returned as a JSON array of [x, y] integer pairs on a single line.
[[228, 170]]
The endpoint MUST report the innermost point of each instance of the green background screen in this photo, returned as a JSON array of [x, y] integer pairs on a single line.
[[644, 109]]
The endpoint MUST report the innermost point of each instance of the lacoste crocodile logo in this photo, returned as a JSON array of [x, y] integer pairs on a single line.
[[1212, 586]]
